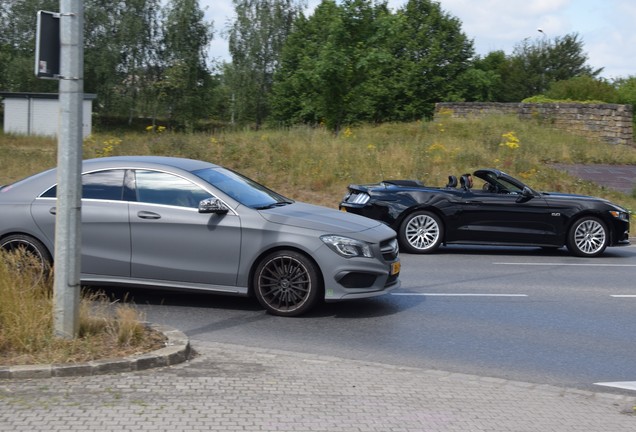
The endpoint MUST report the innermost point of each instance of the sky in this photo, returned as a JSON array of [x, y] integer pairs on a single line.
[[606, 27]]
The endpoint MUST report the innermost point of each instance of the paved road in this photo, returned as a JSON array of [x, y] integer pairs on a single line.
[[235, 388], [520, 314], [619, 177]]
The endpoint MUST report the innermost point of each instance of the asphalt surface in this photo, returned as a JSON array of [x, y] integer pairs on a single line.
[[619, 177], [227, 387]]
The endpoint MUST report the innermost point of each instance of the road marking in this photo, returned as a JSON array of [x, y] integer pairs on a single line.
[[625, 385], [565, 264], [623, 296], [459, 295]]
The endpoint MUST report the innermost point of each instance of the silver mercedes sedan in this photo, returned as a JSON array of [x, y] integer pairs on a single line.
[[161, 222]]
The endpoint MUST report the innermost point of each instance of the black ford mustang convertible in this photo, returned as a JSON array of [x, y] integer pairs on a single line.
[[497, 210]]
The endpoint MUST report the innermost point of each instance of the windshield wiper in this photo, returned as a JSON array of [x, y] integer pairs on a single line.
[[272, 205]]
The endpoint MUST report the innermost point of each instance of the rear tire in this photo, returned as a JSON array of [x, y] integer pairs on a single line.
[[286, 283], [27, 256], [421, 232]]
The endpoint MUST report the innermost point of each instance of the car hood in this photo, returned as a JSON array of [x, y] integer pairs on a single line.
[[580, 198], [318, 218], [567, 196]]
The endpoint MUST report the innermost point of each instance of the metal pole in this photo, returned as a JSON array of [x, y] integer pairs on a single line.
[[69, 162]]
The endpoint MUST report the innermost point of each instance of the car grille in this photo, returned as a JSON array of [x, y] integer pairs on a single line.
[[389, 249]]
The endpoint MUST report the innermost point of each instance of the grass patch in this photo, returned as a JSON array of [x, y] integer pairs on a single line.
[[312, 164], [107, 330]]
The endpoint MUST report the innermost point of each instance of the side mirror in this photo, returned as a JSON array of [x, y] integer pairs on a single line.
[[213, 205], [526, 194]]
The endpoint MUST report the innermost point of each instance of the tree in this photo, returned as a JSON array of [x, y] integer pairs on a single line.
[[121, 52], [356, 61], [139, 55], [184, 86], [626, 89], [583, 88], [256, 40], [482, 81], [434, 56], [533, 66], [333, 68]]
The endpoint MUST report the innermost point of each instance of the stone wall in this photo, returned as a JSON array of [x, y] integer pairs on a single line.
[[609, 123]]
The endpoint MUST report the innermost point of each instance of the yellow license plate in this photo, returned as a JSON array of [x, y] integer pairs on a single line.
[[395, 268]]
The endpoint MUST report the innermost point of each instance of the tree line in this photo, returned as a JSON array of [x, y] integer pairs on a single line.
[[348, 62]]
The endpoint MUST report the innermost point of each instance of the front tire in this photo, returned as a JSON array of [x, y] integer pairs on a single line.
[[588, 237], [286, 283], [421, 232]]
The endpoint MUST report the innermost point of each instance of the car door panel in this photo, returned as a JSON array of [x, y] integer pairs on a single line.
[[180, 244], [105, 233], [105, 230], [503, 218], [172, 241]]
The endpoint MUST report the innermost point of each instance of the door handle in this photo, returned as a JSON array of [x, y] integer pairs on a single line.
[[53, 210], [472, 202], [148, 215]]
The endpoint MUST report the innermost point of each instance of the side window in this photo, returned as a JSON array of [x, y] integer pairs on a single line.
[[102, 185], [162, 188]]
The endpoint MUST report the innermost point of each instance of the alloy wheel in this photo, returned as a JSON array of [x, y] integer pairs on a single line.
[[286, 283]]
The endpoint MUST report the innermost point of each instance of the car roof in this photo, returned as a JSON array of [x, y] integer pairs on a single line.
[[147, 162]]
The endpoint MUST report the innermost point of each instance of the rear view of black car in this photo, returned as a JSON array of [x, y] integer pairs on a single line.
[[494, 209]]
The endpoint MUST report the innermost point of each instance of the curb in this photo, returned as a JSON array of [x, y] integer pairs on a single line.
[[177, 350]]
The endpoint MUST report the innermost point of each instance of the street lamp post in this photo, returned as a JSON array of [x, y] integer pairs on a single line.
[[542, 59], [66, 284]]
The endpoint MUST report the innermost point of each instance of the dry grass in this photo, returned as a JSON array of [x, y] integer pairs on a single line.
[[312, 164], [107, 330]]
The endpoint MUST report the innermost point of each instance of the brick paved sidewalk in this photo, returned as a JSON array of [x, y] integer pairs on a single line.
[[234, 388]]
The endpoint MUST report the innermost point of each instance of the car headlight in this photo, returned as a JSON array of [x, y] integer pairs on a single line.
[[347, 247], [624, 216]]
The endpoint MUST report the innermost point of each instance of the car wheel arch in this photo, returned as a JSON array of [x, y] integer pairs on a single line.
[[421, 231], [415, 209], [578, 216]]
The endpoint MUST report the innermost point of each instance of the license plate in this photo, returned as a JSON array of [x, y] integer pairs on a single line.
[[343, 209], [395, 268]]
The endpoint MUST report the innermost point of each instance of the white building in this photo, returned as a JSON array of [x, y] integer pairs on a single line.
[[39, 113]]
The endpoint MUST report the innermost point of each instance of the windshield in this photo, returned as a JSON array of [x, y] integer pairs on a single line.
[[242, 189], [502, 183]]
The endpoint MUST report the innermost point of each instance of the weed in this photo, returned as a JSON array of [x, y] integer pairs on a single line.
[[26, 322]]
